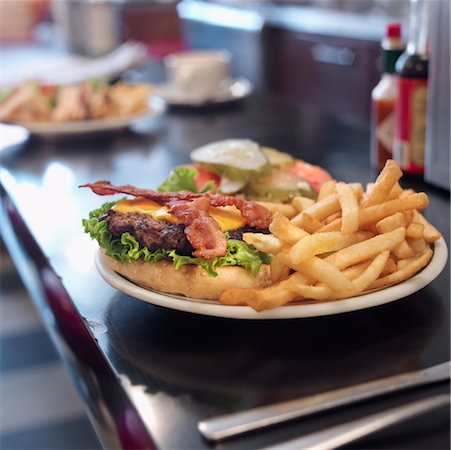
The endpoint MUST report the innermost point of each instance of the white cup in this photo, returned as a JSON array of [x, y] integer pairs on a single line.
[[198, 74]]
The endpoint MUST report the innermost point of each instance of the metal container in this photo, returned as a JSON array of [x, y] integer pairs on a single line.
[[437, 152], [88, 27]]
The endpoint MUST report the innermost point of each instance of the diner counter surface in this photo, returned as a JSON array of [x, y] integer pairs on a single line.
[[148, 374]]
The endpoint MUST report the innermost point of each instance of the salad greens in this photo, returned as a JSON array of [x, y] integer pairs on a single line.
[[128, 249], [98, 83], [4, 93], [182, 178]]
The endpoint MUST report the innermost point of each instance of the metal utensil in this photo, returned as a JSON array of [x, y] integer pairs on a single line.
[[337, 436], [230, 425]]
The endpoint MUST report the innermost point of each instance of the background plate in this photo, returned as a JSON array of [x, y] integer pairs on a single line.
[[231, 91], [291, 311], [59, 129]]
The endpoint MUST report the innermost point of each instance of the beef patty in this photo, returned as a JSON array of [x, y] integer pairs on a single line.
[[151, 233], [160, 234]]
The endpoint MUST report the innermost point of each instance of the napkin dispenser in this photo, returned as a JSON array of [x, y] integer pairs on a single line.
[[437, 152]]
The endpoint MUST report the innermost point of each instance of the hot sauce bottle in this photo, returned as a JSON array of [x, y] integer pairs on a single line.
[[411, 101], [383, 98]]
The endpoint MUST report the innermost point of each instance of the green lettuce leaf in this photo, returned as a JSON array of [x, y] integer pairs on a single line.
[[5, 93], [98, 83], [128, 249], [239, 253], [181, 178]]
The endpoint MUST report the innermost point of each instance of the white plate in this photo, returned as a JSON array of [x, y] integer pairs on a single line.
[[211, 308], [79, 127], [230, 90]]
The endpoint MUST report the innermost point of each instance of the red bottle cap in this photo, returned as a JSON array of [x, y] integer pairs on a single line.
[[394, 30]]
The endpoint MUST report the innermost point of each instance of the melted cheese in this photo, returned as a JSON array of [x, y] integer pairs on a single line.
[[228, 217], [143, 206]]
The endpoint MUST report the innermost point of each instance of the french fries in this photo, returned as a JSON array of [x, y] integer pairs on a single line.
[[285, 230], [348, 242], [374, 213], [287, 209], [267, 243], [301, 203], [385, 182], [349, 208], [319, 210]]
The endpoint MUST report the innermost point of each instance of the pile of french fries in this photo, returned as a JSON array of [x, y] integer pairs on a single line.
[[347, 242]]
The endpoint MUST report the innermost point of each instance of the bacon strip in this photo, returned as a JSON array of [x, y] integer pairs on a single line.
[[256, 215], [104, 187], [201, 230]]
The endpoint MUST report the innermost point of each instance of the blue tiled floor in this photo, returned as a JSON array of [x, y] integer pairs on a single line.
[[54, 418], [26, 350], [71, 435]]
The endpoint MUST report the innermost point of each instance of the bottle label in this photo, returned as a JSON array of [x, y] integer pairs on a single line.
[[410, 118], [418, 124], [382, 117], [385, 132]]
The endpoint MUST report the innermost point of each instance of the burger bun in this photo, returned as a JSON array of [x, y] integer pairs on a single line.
[[189, 280]]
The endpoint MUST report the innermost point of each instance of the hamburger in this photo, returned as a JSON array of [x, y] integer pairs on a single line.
[[189, 236], [181, 242]]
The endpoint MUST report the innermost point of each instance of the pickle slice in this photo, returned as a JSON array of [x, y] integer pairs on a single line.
[[230, 185], [238, 158], [281, 185], [277, 158]]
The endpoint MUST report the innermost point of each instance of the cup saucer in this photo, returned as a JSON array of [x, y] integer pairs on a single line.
[[229, 90]]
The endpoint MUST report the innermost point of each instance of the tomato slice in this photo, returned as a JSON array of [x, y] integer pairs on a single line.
[[204, 176], [315, 175]]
